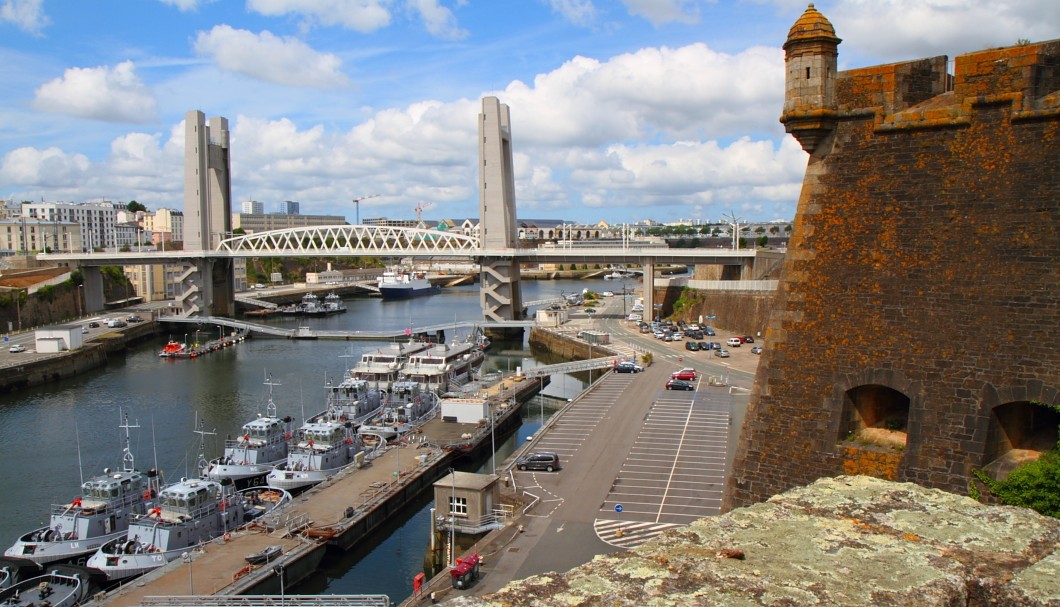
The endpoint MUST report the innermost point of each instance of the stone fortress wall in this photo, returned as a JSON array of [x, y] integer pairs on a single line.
[[918, 315]]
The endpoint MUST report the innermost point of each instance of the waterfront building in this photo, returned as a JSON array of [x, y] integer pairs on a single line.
[[98, 220]]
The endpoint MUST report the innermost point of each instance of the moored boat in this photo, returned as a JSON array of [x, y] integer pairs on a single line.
[[261, 446], [269, 553], [106, 507], [189, 513], [444, 367], [54, 589], [408, 407], [172, 348], [380, 367], [404, 284], [325, 446]]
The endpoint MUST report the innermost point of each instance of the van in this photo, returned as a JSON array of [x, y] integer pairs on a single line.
[[541, 460], [734, 342]]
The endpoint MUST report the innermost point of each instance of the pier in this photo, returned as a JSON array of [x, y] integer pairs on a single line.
[[337, 514]]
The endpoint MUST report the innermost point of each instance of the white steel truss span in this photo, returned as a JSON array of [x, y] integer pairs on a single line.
[[352, 240]]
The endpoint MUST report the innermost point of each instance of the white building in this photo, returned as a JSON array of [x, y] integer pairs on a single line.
[[33, 235], [98, 220], [252, 206]]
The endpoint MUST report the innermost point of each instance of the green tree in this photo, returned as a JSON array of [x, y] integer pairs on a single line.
[[762, 241], [774, 230], [134, 206]]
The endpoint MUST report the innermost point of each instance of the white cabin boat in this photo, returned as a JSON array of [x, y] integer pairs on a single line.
[[325, 446], [261, 446]]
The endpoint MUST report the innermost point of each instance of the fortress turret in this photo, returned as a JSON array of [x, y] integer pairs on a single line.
[[809, 84]]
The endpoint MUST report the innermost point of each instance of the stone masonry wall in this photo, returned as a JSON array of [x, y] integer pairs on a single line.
[[925, 258]]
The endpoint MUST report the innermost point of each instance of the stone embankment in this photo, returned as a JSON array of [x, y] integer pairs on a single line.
[[850, 540]]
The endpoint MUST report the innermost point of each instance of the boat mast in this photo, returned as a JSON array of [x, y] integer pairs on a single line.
[[127, 461], [204, 466]]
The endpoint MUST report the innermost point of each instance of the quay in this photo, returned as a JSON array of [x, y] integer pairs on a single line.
[[338, 513]]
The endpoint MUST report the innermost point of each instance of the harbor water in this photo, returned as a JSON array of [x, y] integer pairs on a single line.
[[55, 436]]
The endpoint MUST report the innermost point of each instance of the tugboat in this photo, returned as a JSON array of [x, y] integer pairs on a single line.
[[262, 446], [103, 512], [172, 349]]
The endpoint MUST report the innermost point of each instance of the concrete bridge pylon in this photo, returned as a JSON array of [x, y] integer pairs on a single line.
[[501, 295]]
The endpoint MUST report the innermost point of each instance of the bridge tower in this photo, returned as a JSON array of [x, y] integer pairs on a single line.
[[208, 286], [501, 296]]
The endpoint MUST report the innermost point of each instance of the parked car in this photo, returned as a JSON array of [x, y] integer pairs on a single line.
[[635, 317], [628, 366], [691, 346], [709, 332], [705, 346], [258, 286], [756, 350], [607, 294], [688, 374], [540, 460], [733, 342], [590, 310], [15, 349], [747, 339], [679, 384], [722, 352], [715, 345]]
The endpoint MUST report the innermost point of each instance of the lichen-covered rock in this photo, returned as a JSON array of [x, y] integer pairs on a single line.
[[851, 540]]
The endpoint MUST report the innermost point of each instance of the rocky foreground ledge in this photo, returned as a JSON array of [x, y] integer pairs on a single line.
[[851, 540]]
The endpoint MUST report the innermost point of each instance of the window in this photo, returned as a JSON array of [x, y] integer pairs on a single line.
[[807, 73], [458, 506]]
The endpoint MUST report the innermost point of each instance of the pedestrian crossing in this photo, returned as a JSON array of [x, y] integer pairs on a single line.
[[629, 534]]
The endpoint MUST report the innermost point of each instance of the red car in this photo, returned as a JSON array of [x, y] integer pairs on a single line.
[[685, 374]]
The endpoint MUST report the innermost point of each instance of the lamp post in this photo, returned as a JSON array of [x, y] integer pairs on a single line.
[[278, 570], [78, 294], [493, 441], [452, 521], [186, 557]]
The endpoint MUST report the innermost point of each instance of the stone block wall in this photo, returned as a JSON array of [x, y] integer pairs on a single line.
[[923, 271]]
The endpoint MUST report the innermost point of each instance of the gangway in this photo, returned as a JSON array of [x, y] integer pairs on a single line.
[[591, 364], [545, 302], [310, 333], [252, 301], [268, 600]]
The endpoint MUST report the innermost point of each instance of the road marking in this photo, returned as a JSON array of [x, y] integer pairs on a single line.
[[629, 534]]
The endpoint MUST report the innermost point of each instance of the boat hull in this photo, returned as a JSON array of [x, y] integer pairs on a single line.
[[394, 293], [46, 553]]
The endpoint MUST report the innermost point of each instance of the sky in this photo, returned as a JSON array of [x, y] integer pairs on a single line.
[[622, 110]]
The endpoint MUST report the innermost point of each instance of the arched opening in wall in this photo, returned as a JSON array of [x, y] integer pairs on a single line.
[[1019, 432], [875, 415]]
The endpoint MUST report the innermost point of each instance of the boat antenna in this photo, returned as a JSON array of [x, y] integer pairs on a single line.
[[270, 407], [80, 467], [154, 443], [204, 465], [301, 399], [128, 463]]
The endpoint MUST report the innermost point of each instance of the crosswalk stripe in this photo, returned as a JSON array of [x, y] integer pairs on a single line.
[[629, 534]]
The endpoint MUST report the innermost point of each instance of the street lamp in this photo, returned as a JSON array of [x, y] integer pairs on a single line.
[[79, 293], [186, 557], [278, 570], [452, 522]]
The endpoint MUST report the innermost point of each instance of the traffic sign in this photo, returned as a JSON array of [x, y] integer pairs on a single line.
[[618, 507]]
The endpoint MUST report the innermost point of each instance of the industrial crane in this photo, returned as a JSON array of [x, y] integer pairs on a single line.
[[420, 208], [357, 202]]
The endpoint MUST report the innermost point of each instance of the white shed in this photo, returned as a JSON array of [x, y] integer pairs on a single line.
[[58, 338], [465, 410]]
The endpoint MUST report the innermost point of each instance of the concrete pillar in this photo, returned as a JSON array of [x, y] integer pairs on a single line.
[[93, 289], [208, 289], [649, 290], [500, 292]]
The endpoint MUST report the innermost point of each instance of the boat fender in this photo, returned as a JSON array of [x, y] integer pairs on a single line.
[[227, 537], [147, 494]]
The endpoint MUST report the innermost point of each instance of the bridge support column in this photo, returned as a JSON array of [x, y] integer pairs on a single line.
[[93, 281], [501, 295], [208, 289], [649, 290]]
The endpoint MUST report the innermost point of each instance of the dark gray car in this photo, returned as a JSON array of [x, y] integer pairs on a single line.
[[541, 460]]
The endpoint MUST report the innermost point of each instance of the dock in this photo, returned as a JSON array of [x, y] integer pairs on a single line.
[[339, 513]]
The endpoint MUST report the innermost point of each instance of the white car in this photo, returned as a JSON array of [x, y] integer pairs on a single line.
[[15, 349], [607, 294], [635, 317]]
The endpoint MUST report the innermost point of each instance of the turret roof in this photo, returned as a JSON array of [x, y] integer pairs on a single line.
[[812, 25]]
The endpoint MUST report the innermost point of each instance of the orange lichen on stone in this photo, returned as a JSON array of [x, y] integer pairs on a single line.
[[869, 462]]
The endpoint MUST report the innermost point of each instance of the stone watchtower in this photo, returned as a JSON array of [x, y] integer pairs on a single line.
[[916, 326], [810, 55]]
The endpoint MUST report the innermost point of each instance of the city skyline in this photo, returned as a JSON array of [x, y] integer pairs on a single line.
[[621, 111]]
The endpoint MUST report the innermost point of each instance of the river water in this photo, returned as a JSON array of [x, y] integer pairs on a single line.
[[55, 435]]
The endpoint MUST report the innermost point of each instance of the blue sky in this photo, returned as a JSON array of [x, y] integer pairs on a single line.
[[622, 110]]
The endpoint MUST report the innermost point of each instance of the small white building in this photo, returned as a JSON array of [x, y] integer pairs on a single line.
[[547, 317], [58, 338], [465, 410]]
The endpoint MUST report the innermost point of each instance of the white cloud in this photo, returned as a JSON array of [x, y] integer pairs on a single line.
[[438, 20], [665, 11], [923, 28], [358, 15], [688, 92], [579, 12], [186, 6], [100, 93], [47, 168], [27, 15], [267, 57]]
